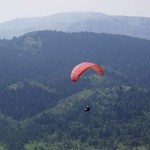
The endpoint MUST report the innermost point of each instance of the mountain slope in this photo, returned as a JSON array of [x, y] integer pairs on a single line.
[[77, 22], [111, 123], [119, 119], [47, 109], [18, 99], [49, 56]]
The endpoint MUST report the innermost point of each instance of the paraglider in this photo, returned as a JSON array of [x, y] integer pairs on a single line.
[[87, 109], [81, 68]]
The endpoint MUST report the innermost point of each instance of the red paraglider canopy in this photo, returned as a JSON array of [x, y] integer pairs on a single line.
[[81, 68]]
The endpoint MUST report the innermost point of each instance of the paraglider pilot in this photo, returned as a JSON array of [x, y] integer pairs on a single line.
[[79, 69], [87, 109]]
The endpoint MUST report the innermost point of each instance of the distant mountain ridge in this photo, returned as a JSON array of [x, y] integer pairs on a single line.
[[77, 22]]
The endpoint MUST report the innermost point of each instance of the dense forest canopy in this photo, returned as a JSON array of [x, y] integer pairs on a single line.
[[42, 109]]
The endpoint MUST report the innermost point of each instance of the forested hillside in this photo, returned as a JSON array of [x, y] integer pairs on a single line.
[[42, 109]]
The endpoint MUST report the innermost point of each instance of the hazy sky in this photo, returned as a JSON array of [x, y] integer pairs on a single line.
[[10, 9]]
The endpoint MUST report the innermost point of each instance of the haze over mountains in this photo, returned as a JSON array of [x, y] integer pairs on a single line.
[[77, 22]]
